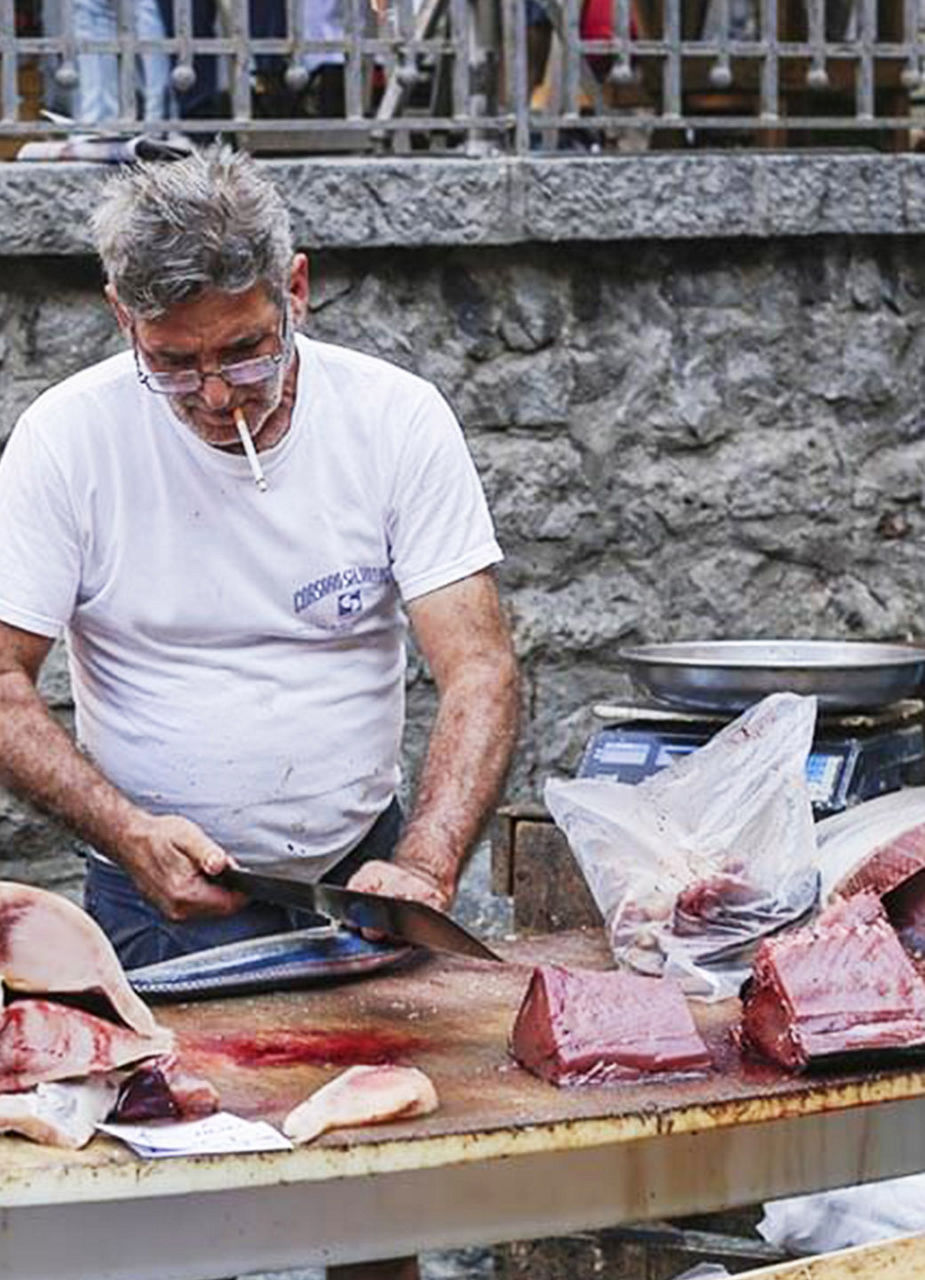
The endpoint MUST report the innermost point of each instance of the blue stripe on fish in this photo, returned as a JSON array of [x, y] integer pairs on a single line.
[[299, 958]]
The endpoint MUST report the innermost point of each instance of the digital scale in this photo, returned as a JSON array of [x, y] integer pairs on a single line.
[[855, 756]]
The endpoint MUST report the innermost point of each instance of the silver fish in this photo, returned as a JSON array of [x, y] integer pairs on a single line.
[[280, 960]]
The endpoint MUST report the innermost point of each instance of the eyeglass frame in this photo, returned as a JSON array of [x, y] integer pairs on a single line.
[[271, 362]]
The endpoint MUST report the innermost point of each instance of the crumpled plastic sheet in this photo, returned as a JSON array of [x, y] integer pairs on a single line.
[[829, 1220]]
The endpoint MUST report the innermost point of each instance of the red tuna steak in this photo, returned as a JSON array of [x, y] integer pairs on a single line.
[[843, 985], [576, 1026]]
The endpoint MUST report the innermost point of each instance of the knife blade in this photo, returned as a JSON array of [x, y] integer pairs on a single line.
[[413, 922]]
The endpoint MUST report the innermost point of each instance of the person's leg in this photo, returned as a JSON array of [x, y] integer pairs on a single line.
[[155, 66], [98, 76]]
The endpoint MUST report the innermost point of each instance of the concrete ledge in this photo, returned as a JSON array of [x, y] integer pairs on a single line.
[[377, 203]]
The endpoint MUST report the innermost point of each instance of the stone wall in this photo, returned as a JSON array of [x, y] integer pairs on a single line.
[[680, 438]]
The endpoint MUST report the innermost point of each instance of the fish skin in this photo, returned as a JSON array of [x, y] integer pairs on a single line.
[[362, 1095], [271, 963], [874, 845], [59, 1115], [42, 1041], [48, 944]]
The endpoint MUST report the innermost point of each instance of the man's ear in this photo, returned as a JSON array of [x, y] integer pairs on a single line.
[[122, 314], [298, 287]]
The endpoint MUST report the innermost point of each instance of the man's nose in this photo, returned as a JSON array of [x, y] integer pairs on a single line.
[[215, 391]]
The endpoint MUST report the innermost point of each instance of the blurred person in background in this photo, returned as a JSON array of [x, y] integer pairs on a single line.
[[97, 93]]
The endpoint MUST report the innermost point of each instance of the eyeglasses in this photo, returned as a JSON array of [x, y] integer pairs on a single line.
[[242, 373]]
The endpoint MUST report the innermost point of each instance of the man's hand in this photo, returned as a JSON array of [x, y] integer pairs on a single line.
[[396, 881], [171, 861]]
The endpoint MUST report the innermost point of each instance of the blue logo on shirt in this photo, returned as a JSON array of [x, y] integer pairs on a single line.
[[338, 600], [349, 602]]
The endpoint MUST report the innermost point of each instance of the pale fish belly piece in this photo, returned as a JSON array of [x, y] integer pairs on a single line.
[[49, 945], [362, 1095], [874, 845], [59, 1115], [41, 1041]]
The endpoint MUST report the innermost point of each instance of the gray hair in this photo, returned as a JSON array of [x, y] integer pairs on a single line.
[[168, 230]]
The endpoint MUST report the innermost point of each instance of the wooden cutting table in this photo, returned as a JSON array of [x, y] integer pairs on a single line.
[[506, 1156]]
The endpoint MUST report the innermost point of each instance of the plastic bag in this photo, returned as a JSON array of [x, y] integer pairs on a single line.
[[830, 1220], [693, 865]]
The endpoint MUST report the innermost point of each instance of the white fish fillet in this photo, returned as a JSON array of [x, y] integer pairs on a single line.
[[877, 844], [47, 944], [59, 1115], [362, 1095]]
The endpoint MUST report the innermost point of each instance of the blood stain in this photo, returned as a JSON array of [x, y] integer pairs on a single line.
[[283, 1048]]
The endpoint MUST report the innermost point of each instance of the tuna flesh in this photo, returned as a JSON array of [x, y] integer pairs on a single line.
[[362, 1095], [841, 986], [49, 945], [577, 1026], [58, 1115], [162, 1090], [41, 1041]]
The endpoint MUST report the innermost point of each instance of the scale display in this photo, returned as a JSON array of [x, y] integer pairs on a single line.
[[839, 771]]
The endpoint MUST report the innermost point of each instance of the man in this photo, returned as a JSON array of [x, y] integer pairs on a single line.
[[236, 655]]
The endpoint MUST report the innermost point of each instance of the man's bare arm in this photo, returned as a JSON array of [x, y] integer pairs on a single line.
[[165, 855], [463, 635]]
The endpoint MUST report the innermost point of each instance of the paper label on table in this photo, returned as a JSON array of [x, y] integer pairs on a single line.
[[214, 1135]]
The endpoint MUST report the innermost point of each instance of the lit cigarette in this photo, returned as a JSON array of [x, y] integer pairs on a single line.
[[240, 422]]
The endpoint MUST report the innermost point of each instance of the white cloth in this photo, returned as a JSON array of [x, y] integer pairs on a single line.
[[238, 656]]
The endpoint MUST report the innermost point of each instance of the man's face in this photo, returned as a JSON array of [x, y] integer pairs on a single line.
[[213, 330]]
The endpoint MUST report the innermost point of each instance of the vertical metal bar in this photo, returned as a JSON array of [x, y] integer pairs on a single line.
[[671, 74], [514, 43], [462, 72], [571, 68], [483, 64], [184, 75], [622, 70], [353, 71], [127, 61], [866, 35], [770, 69], [911, 74], [817, 77], [9, 95], [67, 71], [296, 75], [721, 72], [404, 65], [241, 68]]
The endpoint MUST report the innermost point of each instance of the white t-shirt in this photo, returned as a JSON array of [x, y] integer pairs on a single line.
[[236, 656]]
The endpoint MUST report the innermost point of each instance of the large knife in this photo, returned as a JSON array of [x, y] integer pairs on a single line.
[[412, 922]]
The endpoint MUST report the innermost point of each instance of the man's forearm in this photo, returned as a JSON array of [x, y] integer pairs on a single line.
[[467, 761], [39, 760]]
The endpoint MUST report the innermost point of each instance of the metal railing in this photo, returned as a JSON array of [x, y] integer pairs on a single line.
[[466, 76]]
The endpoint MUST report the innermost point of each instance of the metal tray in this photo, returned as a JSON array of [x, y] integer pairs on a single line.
[[729, 675]]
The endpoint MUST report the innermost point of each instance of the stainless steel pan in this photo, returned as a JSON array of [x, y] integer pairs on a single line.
[[729, 675]]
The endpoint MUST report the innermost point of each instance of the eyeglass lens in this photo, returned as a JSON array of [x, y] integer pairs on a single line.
[[240, 374]]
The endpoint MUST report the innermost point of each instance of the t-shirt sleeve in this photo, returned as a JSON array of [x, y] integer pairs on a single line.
[[440, 529], [39, 546]]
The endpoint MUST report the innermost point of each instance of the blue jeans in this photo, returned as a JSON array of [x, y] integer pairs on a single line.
[[98, 83], [142, 935]]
